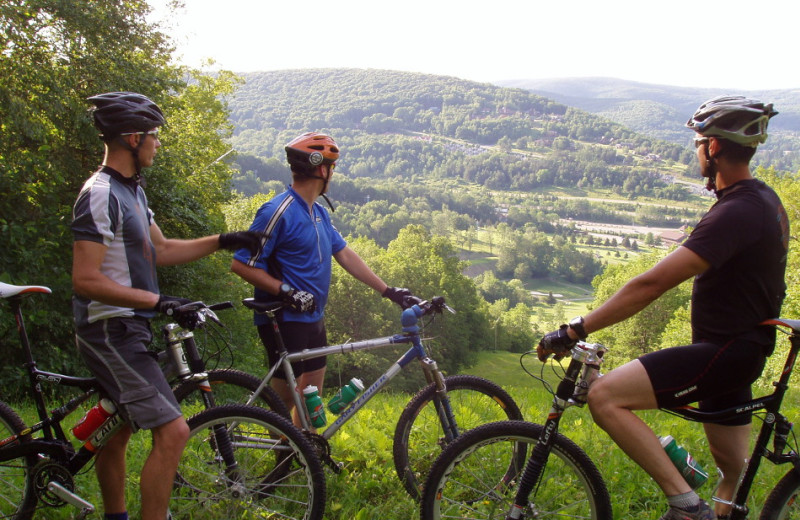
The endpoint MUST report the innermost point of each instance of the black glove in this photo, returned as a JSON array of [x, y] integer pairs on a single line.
[[167, 304], [399, 295], [299, 301], [249, 240], [557, 342]]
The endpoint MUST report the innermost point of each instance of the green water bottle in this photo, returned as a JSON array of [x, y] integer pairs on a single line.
[[345, 395], [689, 468], [316, 410]]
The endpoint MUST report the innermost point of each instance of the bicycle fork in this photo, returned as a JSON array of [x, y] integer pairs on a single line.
[[440, 400], [538, 459]]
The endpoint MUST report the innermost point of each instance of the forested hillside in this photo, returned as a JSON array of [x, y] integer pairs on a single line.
[[660, 111], [399, 125], [416, 130]]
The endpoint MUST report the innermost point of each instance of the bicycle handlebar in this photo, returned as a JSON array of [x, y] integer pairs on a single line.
[[192, 315]]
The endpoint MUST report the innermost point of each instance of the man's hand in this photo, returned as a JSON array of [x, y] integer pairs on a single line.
[[168, 304], [557, 342], [299, 301], [399, 295], [236, 240]]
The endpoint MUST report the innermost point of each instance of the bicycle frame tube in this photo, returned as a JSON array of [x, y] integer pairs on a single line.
[[417, 351]]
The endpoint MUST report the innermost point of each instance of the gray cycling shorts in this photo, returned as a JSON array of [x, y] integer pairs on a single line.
[[115, 350]]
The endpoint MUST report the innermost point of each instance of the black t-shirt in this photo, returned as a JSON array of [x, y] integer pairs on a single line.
[[745, 237]]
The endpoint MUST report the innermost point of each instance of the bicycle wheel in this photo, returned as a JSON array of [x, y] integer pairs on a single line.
[[419, 436], [476, 476], [232, 387], [245, 462], [782, 502], [17, 495]]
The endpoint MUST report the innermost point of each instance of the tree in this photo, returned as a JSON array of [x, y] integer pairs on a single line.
[[642, 332], [55, 55]]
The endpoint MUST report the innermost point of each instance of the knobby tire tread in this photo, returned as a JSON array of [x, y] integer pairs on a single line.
[[412, 481]]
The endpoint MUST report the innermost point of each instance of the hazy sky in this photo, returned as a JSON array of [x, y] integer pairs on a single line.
[[731, 44]]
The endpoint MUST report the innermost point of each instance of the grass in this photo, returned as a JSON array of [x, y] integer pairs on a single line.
[[367, 488]]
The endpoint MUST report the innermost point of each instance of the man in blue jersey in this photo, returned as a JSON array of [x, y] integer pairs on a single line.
[[737, 257], [117, 246], [294, 263]]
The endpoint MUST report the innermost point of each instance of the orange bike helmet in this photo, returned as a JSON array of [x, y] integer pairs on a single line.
[[312, 149]]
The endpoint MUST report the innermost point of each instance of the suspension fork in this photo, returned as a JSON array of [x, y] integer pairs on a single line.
[[535, 465], [441, 401]]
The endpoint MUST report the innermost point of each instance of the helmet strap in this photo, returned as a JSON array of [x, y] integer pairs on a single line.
[[139, 176], [711, 182]]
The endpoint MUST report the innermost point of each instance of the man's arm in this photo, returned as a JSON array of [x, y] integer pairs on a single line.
[[675, 268], [353, 264], [172, 251], [90, 282], [256, 277]]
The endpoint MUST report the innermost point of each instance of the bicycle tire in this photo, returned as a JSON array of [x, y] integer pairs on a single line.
[[782, 502], [476, 476], [232, 386], [277, 472], [419, 436], [17, 494]]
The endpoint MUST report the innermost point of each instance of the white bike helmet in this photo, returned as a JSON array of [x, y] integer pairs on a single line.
[[736, 118]]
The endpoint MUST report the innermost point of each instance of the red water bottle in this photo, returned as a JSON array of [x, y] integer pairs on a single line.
[[93, 419]]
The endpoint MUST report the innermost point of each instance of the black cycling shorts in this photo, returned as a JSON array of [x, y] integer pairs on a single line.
[[296, 336], [715, 376]]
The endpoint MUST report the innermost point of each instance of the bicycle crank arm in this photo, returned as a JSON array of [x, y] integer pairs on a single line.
[[71, 498]]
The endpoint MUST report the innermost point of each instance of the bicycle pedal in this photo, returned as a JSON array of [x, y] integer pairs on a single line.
[[336, 467]]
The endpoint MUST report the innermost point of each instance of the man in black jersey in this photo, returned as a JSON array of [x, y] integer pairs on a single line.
[[117, 246], [737, 256]]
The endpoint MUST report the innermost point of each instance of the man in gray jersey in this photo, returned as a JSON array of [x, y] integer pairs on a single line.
[[117, 246]]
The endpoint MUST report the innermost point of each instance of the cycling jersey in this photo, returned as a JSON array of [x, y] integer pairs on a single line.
[[112, 210], [745, 238], [298, 250]]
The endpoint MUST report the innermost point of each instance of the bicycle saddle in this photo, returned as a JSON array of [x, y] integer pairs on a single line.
[[9, 291]]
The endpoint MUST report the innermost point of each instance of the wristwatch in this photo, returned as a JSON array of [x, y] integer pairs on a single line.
[[577, 325], [285, 290]]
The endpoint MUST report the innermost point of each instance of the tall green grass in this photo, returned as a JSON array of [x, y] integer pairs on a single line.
[[367, 487]]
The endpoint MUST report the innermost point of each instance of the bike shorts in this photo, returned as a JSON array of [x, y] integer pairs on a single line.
[[714, 376], [115, 350], [296, 336]]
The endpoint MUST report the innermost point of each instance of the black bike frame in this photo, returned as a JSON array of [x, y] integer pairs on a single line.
[[770, 404]]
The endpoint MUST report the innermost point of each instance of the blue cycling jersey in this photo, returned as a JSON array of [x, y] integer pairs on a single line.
[[298, 250]]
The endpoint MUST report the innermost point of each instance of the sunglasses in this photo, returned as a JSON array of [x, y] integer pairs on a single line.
[[154, 133], [698, 141]]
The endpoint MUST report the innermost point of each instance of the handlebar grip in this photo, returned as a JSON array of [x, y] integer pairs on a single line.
[[221, 305]]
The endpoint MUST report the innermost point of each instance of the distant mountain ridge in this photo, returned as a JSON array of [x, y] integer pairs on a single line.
[[656, 110]]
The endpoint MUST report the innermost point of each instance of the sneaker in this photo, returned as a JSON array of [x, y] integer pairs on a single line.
[[704, 512]]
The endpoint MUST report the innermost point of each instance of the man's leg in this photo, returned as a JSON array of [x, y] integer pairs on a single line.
[[315, 378], [729, 446], [612, 399], [158, 473], [110, 469]]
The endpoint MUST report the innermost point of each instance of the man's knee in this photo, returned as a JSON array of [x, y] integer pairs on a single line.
[[172, 435]]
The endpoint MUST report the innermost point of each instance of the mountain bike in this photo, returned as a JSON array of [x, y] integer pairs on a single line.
[[237, 458], [520, 470], [435, 416]]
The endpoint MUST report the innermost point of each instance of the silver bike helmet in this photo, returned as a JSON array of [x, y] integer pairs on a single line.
[[736, 118], [118, 112]]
